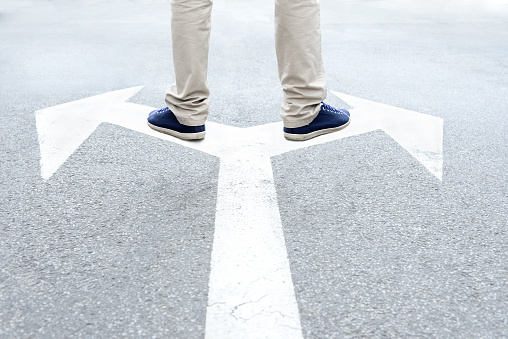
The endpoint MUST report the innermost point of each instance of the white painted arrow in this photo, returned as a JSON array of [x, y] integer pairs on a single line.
[[420, 134], [251, 292], [63, 128]]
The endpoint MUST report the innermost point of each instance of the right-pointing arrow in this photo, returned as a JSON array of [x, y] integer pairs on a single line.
[[420, 134]]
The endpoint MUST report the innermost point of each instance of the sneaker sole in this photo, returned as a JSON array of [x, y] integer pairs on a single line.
[[184, 136], [307, 136]]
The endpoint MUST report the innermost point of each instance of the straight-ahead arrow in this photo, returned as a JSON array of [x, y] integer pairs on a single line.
[[251, 293]]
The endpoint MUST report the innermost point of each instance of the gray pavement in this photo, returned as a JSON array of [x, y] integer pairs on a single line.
[[118, 241]]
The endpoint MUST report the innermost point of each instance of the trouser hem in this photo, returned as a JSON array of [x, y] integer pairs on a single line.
[[185, 118], [299, 122]]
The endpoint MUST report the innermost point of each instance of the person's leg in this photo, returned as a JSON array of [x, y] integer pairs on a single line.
[[190, 29], [301, 71]]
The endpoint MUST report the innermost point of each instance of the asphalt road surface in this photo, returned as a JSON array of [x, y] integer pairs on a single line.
[[118, 241]]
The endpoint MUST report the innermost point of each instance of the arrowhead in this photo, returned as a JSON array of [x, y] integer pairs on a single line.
[[64, 127], [420, 134]]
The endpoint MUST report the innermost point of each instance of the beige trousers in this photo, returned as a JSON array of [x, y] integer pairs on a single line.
[[298, 47]]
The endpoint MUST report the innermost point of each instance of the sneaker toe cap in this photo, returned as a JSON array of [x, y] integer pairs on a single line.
[[344, 111]]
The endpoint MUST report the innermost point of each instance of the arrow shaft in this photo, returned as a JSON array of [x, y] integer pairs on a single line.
[[251, 293]]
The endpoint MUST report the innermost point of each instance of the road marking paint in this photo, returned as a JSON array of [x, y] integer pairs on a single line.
[[419, 134], [251, 293], [63, 128]]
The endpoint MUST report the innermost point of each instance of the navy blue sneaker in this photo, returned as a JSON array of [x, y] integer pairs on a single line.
[[328, 120], [163, 120]]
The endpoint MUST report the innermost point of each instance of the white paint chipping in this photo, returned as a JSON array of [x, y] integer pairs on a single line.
[[251, 293]]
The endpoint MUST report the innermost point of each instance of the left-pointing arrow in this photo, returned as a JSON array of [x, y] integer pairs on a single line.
[[63, 128]]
